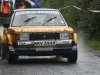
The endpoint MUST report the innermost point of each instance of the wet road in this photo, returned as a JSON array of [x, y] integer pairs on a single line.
[[88, 63]]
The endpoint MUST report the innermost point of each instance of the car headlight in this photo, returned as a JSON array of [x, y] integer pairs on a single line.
[[24, 36], [64, 35]]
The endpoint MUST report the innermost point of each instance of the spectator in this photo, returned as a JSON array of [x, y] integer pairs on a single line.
[[10, 6], [5, 11], [13, 4], [0, 6], [17, 2], [5, 8], [31, 3], [37, 5], [21, 5]]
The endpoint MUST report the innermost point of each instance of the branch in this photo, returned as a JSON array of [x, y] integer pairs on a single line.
[[64, 7], [77, 7], [94, 11]]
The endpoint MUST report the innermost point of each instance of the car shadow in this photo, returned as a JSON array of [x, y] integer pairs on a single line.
[[42, 60]]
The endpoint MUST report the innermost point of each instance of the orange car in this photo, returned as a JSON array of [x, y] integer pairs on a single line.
[[38, 32]]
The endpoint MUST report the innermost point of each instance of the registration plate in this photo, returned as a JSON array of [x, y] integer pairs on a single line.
[[44, 43], [44, 49]]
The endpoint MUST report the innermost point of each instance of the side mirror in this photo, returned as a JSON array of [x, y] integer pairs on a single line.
[[5, 25]]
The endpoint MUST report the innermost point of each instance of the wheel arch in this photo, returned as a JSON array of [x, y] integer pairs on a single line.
[[3, 38], [10, 38]]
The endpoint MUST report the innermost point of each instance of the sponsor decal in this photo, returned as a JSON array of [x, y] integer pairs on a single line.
[[11, 49], [25, 43], [63, 41], [29, 12], [74, 48], [66, 42]]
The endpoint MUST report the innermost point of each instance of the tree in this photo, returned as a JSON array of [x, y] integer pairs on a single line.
[[78, 19]]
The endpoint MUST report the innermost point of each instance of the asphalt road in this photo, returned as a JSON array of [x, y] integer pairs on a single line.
[[88, 63]]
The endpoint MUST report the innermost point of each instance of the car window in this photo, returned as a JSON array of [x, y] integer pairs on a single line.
[[42, 17]]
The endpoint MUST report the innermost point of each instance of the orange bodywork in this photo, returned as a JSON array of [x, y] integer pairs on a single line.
[[42, 29], [9, 37], [3, 38]]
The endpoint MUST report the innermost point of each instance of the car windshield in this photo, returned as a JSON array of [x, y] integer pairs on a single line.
[[52, 18]]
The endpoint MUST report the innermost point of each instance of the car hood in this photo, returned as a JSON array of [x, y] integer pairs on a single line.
[[42, 29]]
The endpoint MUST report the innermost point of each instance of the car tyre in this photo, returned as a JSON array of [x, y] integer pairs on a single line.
[[11, 58], [73, 57], [3, 50]]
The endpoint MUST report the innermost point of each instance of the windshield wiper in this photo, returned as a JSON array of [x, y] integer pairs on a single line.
[[27, 20], [49, 20]]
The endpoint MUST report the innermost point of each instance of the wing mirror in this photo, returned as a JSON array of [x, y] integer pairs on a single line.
[[5, 25]]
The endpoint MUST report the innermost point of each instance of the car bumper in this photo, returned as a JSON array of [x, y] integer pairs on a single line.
[[62, 47], [43, 53]]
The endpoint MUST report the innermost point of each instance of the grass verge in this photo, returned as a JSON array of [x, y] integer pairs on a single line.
[[95, 44]]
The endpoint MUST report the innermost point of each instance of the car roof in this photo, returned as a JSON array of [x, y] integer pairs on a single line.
[[35, 9]]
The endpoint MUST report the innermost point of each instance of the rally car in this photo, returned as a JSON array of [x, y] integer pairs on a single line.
[[38, 32]]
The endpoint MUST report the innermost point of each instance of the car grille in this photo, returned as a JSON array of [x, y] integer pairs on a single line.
[[41, 36]]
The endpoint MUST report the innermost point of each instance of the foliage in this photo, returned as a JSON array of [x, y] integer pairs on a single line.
[[78, 19], [94, 44]]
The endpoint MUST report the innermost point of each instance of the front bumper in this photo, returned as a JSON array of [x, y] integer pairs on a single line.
[[62, 47], [43, 53]]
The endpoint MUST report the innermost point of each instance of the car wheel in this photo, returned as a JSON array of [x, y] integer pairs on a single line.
[[72, 57], [3, 50], [11, 58]]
